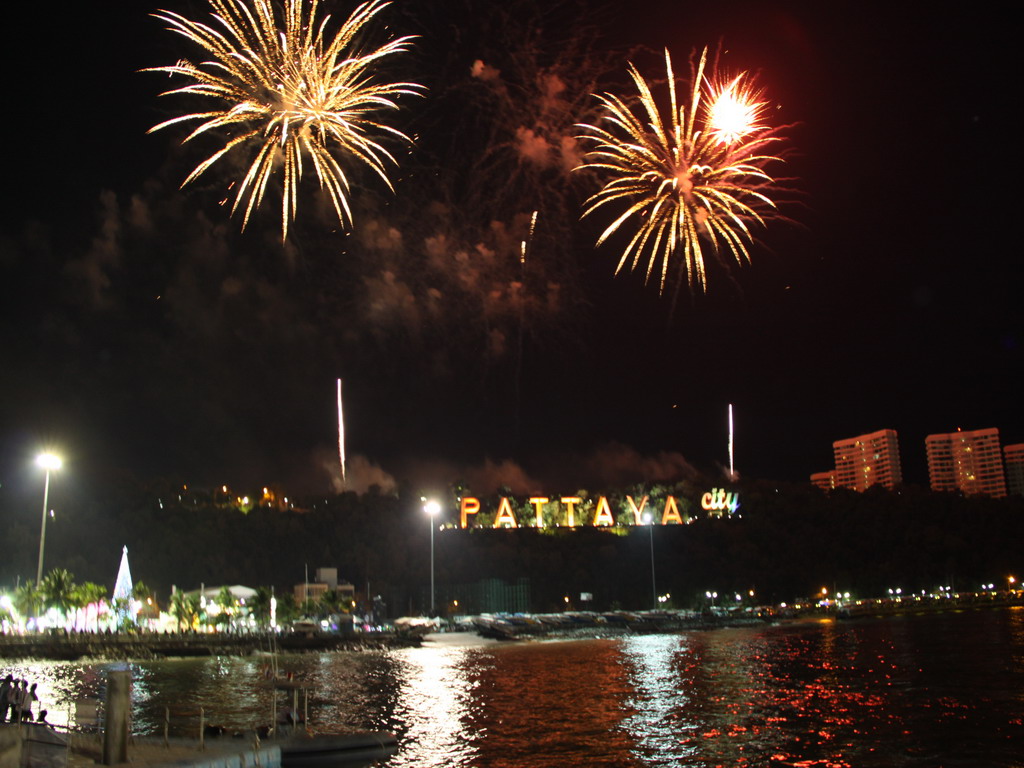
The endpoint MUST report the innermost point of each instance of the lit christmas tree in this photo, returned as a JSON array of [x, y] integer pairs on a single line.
[[124, 605]]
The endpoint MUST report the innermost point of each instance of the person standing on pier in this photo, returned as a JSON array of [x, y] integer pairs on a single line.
[[15, 699], [28, 697], [6, 689]]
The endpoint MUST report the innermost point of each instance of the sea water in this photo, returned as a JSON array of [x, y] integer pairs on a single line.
[[936, 690]]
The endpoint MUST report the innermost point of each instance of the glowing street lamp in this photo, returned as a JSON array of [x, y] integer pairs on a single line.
[[432, 508], [48, 462]]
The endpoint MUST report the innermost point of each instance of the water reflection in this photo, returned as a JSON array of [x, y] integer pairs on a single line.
[[433, 704], [661, 719], [909, 692], [894, 693], [551, 704]]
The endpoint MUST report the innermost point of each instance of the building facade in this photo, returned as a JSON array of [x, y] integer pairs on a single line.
[[866, 460], [1013, 456], [824, 480], [969, 462]]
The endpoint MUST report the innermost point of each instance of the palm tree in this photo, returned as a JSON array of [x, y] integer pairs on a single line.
[[184, 608], [330, 604], [147, 600], [88, 593], [226, 601], [27, 600], [259, 606], [141, 592], [287, 608], [58, 591]]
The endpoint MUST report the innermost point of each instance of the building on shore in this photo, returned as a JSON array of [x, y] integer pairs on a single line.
[[863, 461], [1013, 456], [970, 462], [824, 480], [324, 580]]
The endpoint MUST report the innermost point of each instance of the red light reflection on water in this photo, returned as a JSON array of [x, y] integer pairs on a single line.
[[914, 692], [826, 694]]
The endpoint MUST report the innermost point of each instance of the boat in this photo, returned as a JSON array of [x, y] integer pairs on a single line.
[[302, 749], [336, 750]]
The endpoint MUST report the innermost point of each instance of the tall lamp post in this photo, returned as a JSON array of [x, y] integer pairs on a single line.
[[48, 462], [432, 508], [649, 522]]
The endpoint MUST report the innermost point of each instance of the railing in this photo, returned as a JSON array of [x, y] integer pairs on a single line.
[[199, 728]]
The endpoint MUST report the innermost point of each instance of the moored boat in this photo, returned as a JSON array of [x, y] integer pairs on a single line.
[[336, 751]]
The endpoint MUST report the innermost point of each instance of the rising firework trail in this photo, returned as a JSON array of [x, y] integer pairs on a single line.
[[697, 174], [732, 465], [286, 92], [341, 439], [529, 238]]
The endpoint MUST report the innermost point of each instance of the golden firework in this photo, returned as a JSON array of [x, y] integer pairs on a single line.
[[288, 91], [698, 174]]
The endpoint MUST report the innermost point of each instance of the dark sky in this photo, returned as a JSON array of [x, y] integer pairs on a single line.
[[142, 334]]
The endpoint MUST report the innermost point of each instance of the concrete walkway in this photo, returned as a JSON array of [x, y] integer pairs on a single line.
[[87, 752]]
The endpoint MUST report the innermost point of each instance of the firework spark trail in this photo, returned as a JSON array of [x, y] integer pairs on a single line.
[[698, 174], [529, 238], [287, 91], [732, 465], [341, 438]]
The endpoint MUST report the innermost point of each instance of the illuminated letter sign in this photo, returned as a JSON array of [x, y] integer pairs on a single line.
[[637, 511], [505, 516], [470, 506], [603, 516], [671, 513], [717, 501], [570, 509], [538, 504]]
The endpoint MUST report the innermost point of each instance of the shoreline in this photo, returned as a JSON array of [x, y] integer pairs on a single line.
[[144, 646]]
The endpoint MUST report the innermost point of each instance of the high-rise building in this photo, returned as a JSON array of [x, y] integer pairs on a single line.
[[1013, 456], [824, 480], [867, 460], [970, 462]]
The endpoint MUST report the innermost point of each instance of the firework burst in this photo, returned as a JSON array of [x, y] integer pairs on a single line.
[[697, 175], [287, 91]]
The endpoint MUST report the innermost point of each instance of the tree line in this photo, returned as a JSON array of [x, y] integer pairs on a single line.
[[785, 541]]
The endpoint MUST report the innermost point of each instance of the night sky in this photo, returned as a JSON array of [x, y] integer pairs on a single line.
[[144, 336]]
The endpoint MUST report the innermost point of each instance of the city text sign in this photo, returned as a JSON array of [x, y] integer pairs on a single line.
[[716, 502]]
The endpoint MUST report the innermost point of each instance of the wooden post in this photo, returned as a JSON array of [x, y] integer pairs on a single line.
[[119, 707], [202, 728], [167, 727]]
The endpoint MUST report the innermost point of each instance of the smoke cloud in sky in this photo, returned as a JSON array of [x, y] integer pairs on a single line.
[[611, 465]]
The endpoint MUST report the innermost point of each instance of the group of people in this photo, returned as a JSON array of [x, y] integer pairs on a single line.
[[16, 701]]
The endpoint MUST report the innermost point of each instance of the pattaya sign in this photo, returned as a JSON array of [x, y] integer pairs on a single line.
[[573, 511]]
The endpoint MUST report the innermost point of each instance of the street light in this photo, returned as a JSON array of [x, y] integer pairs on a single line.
[[48, 462], [432, 508], [649, 522]]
